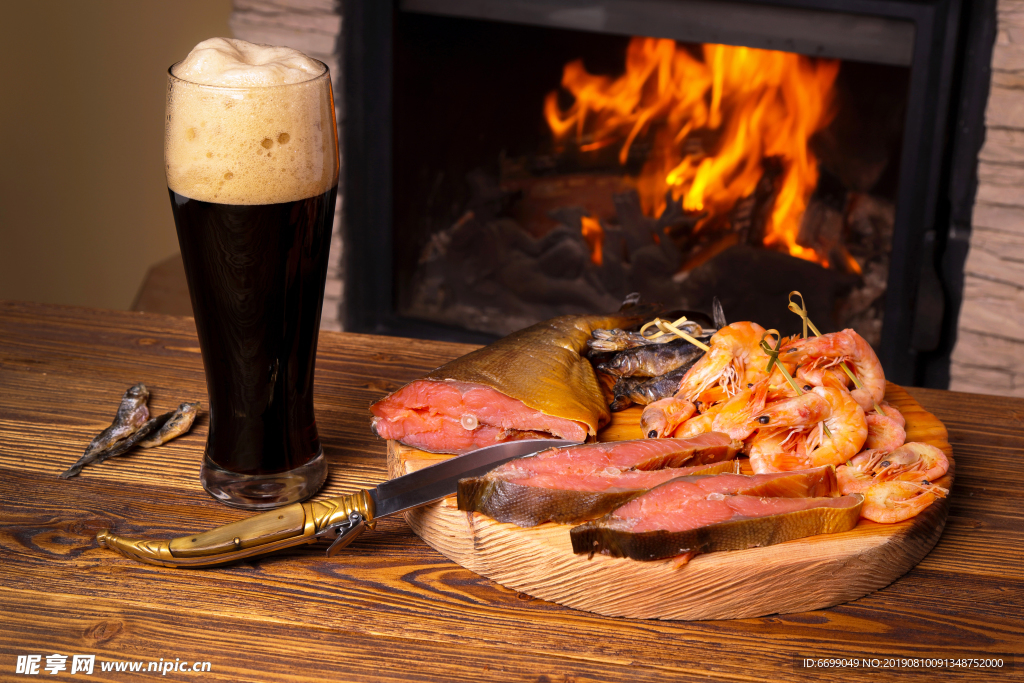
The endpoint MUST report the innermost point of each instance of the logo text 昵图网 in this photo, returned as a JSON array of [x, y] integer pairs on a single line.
[[53, 664]]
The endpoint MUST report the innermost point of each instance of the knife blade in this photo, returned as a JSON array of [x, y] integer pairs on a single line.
[[340, 519]]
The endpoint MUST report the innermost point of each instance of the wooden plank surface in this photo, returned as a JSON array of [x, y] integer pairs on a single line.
[[389, 607]]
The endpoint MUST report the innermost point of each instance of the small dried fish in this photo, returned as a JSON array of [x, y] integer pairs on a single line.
[[602, 341], [131, 415], [179, 422], [645, 390], [653, 360], [152, 432], [119, 447], [151, 427]]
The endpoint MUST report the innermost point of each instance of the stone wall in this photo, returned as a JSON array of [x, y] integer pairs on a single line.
[[989, 355], [313, 27]]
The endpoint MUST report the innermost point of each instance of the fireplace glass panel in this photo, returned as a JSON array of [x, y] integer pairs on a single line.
[[542, 171]]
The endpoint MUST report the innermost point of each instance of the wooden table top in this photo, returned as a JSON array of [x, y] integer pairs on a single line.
[[389, 608]]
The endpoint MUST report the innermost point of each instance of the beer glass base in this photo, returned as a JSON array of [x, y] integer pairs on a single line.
[[263, 491]]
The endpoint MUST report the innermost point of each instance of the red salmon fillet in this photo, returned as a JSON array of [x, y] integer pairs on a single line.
[[428, 414], [610, 479], [644, 454], [691, 513], [811, 483]]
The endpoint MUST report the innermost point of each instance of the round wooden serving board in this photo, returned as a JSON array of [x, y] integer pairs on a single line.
[[805, 574]]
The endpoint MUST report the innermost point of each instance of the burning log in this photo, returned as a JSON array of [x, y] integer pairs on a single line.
[[870, 223], [638, 229], [753, 218], [821, 228], [540, 199], [493, 275], [735, 273]]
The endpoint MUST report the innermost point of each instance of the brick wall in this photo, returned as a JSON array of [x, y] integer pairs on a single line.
[[989, 355], [314, 28]]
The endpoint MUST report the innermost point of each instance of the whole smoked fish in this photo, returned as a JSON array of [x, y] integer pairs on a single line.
[[644, 390], [569, 485], [531, 384], [654, 360]]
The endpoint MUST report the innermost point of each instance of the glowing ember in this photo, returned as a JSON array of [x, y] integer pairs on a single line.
[[851, 263], [712, 121], [594, 236]]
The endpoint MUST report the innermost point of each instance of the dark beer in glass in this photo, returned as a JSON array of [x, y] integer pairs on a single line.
[[252, 174]]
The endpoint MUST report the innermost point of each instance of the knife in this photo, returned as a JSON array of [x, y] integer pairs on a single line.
[[339, 519]]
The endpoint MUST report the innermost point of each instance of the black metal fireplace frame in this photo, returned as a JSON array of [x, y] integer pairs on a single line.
[[936, 189]]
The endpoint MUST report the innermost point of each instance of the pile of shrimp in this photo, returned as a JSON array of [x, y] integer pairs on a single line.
[[824, 418]]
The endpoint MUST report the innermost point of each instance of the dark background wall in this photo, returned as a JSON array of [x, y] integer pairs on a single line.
[[83, 202]]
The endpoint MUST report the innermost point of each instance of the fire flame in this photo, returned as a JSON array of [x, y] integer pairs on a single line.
[[593, 233], [713, 121]]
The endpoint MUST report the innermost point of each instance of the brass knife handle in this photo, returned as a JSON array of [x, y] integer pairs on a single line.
[[286, 527]]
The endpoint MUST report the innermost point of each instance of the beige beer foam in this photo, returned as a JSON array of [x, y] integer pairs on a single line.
[[249, 124]]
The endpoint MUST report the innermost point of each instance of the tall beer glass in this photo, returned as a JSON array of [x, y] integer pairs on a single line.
[[252, 174]]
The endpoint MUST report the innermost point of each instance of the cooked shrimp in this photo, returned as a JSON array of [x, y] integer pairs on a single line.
[[744, 413], [711, 396], [735, 416], [823, 377], [884, 433], [809, 445], [868, 459], [779, 388], [848, 428], [732, 362], [799, 411], [894, 501], [830, 349], [698, 424], [857, 475], [783, 426], [913, 461], [894, 413], [661, 418], [774, 451]]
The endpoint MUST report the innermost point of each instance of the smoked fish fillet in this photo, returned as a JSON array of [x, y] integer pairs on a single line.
[[576, 483], [681, 519], [532, 383]]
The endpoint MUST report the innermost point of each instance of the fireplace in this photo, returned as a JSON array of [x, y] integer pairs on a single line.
[[507, 162]]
